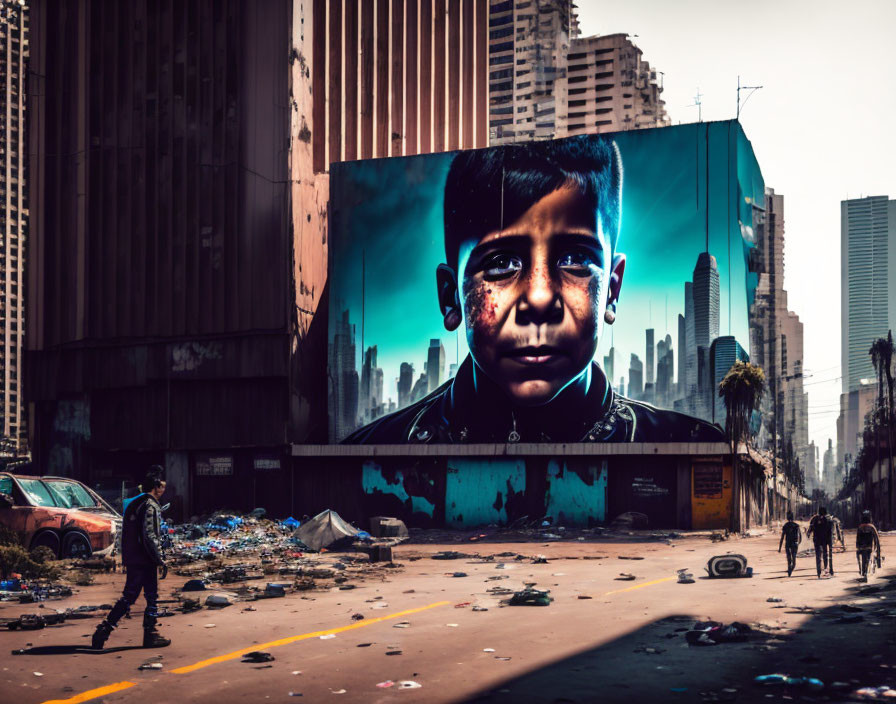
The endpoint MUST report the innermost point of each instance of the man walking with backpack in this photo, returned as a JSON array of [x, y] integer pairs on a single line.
[[821, 530], [141, 554], [790, 533], [867, 541]]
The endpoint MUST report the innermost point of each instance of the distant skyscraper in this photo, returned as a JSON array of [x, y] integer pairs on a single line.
[[14, 215], [868, 288], [610, 364], [649, 360], [706, 300], [828, 480], [682, 357], [610, 87], [343, 380], [621, 387], [665, 369], [635, 377], [371, 394], [689, 348], [435, 364], [452, 370], [723, 353], [421, 388], [405, 384]]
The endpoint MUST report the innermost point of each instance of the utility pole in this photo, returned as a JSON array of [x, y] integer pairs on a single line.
[[752, 90], [698, 104]]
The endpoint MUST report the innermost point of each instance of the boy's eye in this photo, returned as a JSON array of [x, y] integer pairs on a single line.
[[501, 266], [577, 263]]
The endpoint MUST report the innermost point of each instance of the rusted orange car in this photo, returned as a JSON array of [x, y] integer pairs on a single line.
[[62, 514]]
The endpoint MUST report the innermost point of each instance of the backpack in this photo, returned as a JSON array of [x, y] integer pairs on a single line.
[[821, 529], [865, 537]]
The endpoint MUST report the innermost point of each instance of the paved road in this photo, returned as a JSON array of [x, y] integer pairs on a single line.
[[625, 643]]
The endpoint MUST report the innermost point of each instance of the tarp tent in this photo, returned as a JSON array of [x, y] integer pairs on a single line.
[[325, 529]]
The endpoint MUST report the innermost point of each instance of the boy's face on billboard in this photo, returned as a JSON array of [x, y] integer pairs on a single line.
[[534, 293]]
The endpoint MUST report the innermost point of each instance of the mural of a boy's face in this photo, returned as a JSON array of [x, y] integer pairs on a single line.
[[533, 296]]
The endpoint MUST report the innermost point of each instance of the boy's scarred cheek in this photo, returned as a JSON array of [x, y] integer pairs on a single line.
[[480, 304]]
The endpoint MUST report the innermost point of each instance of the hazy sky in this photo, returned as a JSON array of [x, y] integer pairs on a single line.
[[821, 127]]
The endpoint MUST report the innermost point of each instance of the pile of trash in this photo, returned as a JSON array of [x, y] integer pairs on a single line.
[[715, 633], [227, 534]]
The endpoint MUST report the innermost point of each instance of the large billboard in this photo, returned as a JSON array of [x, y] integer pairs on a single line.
[[588, 289]]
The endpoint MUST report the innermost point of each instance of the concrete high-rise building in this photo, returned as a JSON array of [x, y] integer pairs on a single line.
[[610, 88], [868, 282], [405, 384], [528, 47], [649, 350], [855, 406], [435, 364], [212, 156], [14, 33], [706, 300], [723, 353], [635, 377], [776, 338]]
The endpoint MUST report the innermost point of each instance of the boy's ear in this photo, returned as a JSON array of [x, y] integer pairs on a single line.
[[616, 275], [449, 300]]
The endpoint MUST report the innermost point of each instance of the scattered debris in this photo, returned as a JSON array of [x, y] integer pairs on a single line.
[[685, 577], [779, 679], [531, 597], [631, 520], [713, 633], [625, 577], [150, 666], [409, 684], [730, 565], [774, 600], [326, 530], [257, 656]]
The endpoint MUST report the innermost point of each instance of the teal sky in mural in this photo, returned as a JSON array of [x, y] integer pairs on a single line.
[[386, 241]]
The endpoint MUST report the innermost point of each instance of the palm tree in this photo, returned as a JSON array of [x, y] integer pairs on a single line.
[[741, 389], [882, 358]]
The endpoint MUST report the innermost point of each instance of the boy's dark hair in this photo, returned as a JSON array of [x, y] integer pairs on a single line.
[[153, 479], [487, 189], [866, 516], [822, 511], [790, 515]]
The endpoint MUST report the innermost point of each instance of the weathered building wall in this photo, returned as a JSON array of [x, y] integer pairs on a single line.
[[160, 268]]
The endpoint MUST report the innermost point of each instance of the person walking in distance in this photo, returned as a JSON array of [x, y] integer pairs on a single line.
[[821, 530], [141, 555], [867, 542], [791, 537]]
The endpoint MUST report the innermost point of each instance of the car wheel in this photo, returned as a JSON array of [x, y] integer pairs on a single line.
[[76, 545], [47, 539]]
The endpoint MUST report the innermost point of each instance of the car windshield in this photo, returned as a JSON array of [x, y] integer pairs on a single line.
[[37, 492], [70, 494]]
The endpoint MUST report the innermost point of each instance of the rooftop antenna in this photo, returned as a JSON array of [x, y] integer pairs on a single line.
[[698, 103], [752, 90]]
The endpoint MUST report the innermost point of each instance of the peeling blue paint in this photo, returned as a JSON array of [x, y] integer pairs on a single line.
[[576, 500], [372, 481], [477, 491]]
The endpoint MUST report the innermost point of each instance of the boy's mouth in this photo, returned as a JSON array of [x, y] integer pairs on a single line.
[[529, 355]]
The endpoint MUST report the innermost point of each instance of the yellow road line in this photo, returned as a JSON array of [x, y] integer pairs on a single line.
[[93, 693], [292, 639], [640, 586]]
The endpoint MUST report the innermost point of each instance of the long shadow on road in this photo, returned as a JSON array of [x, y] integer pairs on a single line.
[[848, 645]]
